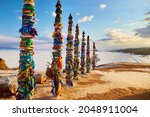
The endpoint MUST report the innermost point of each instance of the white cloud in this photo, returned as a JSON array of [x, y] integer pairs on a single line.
[[102, 6], [53, 14], [4, 38], [37, 19], [86, 19], [43, 44], [144, 32], [47, 33], [117, 20], [130, 24], [133, 23], [147, 19], [147, 13], [117, 38], [131, 20], [117, 35], [64, 34], [20, 18], [78, 14], [9, 42]]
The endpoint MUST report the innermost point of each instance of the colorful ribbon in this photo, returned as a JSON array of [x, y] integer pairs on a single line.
[[26, 80], [83, 54], [88, 60], [69, 54], [56, 65], [94, 56], [76, 53]]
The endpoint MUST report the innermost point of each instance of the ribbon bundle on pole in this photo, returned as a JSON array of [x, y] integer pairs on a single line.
[[94, 56], [57, 51], [69, 53], [26, 81], [88, 61], [76, 53], [83, 54]]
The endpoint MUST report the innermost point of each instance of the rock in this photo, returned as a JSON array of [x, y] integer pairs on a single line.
[[3, 65], [64, 71], [8, 86], [40, 78], [49, 72]]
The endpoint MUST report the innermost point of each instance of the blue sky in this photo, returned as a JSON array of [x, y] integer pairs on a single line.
[[99, 18]]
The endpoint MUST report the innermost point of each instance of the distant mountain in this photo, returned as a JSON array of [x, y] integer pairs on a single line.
[[8, 48], [104, 39], [138, 51]]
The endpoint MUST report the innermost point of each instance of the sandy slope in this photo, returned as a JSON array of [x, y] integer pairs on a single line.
[[111, 81], [118, 81]]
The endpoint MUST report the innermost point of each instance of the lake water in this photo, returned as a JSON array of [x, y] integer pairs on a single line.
[[41, 58]]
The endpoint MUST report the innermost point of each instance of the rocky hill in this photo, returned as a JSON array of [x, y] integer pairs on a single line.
[[3, 65]]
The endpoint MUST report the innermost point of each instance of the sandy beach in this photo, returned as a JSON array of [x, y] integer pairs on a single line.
[[114, 81]]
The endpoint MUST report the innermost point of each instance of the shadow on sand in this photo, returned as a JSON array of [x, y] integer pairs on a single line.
[[142, 96]]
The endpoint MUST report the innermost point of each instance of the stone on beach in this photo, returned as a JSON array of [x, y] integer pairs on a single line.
[[8, 85], [40, 78]]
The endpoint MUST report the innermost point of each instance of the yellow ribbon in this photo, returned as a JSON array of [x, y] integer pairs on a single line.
[[56, 32], [29, 1], [25, 71]]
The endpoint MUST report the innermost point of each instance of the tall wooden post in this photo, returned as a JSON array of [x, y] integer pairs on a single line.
[[94, 56], [76, 53], [26, 81], [57, 52], [88, 60], [83, 54], [69, 54]]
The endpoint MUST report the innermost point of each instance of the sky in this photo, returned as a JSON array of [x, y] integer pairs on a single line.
[[114, 23]]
